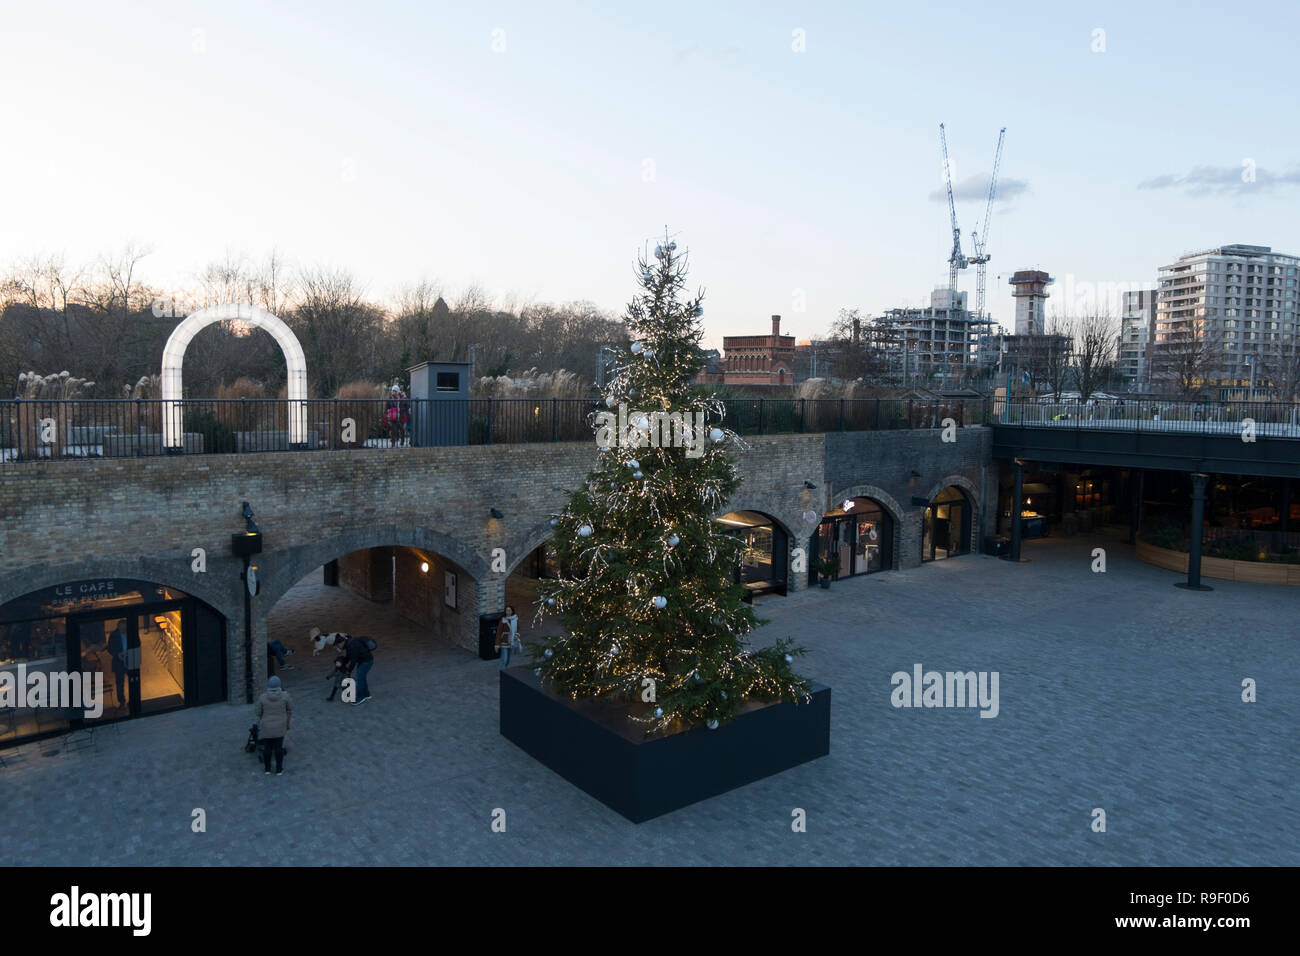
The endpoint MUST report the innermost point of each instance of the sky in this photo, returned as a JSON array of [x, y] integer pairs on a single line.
[[535, 148]]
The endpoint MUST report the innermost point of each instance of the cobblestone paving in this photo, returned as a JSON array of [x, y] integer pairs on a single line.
[[1117, 691]]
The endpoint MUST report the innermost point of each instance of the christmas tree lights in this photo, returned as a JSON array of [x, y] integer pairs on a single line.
[[648, 596]]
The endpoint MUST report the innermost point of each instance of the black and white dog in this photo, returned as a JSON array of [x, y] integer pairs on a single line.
[[321, 641]]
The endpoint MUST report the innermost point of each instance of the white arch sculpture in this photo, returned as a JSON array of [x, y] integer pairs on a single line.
[[174, 357]]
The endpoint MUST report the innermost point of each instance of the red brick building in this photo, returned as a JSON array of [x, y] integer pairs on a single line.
[[757, 359]]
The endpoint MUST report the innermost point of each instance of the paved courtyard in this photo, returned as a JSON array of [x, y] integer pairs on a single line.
[[1116, 691]]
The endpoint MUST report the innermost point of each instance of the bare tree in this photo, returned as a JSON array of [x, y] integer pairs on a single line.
[[1095, 342], [1281, 368], [1053, 353], [1186, 357], [864, 349], [339, 330]]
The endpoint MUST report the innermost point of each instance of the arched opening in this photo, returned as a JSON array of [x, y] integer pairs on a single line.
[[857, 535], [763, 565], [123, 647], [174, 357], [405, 594], [946, 525]]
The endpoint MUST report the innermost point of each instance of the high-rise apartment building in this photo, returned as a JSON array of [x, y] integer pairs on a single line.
[[1227, 316], [1137, 323]]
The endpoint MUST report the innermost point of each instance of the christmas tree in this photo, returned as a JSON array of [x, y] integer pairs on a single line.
[[648, 595]]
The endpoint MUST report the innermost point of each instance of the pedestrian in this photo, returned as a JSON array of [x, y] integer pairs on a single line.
[[118, 652], [277, 650], [396, 415], [508, 635], [359, 659], [274, 714]]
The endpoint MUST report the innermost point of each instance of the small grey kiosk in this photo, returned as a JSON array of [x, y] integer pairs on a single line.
[[439, 403]]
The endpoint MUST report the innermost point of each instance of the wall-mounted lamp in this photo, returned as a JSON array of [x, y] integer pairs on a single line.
[[494, 513], [809, 485], [424, 566]]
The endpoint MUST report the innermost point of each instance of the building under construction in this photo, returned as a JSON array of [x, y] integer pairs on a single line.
[[935, 345]]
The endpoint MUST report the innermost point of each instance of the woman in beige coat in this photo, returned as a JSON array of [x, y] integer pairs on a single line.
[[274, 714]]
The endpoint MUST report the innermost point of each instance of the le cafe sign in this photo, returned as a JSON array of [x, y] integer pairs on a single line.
[[82, 592]]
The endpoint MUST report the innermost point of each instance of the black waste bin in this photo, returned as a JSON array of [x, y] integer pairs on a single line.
[[487, 636], [997, 545]]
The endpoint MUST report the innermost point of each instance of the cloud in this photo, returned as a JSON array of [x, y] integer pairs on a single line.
[[1221, 180], [977, 187]]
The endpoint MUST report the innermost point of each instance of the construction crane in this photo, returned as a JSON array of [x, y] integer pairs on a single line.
[[956, 259], [981, 242]]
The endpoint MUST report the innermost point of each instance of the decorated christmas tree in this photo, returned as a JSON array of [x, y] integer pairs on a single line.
[[648, 596]]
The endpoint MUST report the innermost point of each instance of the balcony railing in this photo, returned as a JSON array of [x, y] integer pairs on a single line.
[[1268, 419], [33, 431]]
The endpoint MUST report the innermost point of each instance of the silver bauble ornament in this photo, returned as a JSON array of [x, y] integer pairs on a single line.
[[724, 694], [634, 463], [660, 601], [789, 659], [636, 474], [636, 348], [717, 434], [711, 724], [674, 541], [547, 653], [550, 602], [659, 711], [585, 531], [555, 522], [609, 401]]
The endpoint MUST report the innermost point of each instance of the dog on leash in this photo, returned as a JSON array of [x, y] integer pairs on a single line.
[[321, 641]]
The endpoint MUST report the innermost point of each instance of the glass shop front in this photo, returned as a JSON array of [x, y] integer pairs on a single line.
[[763, 563], [858, 535], [156, 648]]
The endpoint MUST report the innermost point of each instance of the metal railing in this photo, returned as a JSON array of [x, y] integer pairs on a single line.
[[1269, 419], [40, 430]]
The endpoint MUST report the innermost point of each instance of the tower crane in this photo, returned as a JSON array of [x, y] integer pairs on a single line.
[[956, 259], [981, 257]]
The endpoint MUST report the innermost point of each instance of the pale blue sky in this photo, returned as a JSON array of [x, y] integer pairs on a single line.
[[392, 139]]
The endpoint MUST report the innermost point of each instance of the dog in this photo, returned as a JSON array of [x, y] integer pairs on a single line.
[[321, 641]]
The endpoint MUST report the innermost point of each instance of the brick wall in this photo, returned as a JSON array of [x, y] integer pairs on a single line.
[[69, 520], [368, 573]]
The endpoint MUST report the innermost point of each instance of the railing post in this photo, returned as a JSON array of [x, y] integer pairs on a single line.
[[18, 429], [841, 414], [334, 424], [909, 414], [803, 415], [555, 419], [243, 424], [139, 429], [760, 415], [489, 417], [875, 422]]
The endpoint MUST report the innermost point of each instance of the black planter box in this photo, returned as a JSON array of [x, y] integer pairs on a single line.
[[596, 748]]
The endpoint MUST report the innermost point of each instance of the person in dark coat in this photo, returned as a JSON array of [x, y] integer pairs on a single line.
[[360, 660], [117, 651]]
